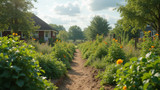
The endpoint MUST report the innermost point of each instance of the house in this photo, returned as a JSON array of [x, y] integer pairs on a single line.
[[45, 31], [148, 28]]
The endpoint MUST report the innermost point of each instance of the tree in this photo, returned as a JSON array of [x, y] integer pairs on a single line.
[[15, 15], [63, 35], [99, 26], [75, 33], [139, 13], [57, 27]]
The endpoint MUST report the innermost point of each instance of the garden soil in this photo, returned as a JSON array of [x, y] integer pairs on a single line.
[[80, 77]]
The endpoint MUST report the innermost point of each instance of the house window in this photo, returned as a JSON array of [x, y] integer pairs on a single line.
[[22, 35], [0, 33], [36, 34], [46, 34], [141, 34], [148, 25], [153, 33], [54, 34]]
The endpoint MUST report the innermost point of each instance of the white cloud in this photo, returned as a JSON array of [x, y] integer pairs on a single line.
[[70, 9], [97, 5]]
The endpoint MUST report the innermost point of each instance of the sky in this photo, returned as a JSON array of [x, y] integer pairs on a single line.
[[76, 12]]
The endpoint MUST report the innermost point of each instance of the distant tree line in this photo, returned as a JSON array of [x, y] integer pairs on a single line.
[[98, 25]]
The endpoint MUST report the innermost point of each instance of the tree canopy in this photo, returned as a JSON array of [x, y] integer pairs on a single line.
[[75, 33], [99, 26], [15, 15], [63, 35], [140, 13], [57, 27]]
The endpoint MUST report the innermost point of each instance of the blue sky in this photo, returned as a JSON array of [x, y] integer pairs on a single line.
[[76, 12]]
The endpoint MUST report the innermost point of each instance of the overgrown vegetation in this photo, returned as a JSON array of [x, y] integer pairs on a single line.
[[119, 65], [18, 66]]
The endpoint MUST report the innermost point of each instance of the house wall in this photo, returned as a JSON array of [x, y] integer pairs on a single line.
[[53, 36], [152, 33], [41, 35]]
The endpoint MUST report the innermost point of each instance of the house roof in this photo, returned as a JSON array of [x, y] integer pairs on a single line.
[[43, 25]]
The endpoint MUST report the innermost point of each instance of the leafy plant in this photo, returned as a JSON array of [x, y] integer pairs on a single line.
[[18, 67], [53, 68], [115, 52], [140, 74]]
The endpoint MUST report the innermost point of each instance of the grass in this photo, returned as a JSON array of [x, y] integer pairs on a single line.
[[44, 48]]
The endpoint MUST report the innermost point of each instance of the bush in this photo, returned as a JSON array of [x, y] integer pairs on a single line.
[[115, 52], [140, 74], [150, 45], [53, 68], [41, 48], [107, 77], [64, 51], [97, 54], [18, 67]]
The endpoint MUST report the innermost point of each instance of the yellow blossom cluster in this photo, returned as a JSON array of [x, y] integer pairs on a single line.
[[119, 61], [14, 34]]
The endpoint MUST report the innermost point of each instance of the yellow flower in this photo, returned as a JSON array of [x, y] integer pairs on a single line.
[[152, 46], [57, 40], [124, 88], [157, 34], [114, 39], [34, 39], [14, 34], [149, 31], [119, 61], [121, 46]]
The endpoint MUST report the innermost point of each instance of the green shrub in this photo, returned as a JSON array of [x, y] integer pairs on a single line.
[[130, 51], [148, 43], [44, 48], [98, 52], [64, 52], [115, 53], [53, 68], [107, 77], [18, 67], [140, 74]]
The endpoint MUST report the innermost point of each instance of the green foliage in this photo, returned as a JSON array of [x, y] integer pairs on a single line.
[[18, 67], [63, 35], [75, 33], [99, 26], [148, 43], [115, 52], [94, 51], [107, 77], [140, 74], [64, 51], [16, 16], [41, 48], [139, 13], [53, 68], [57, 27], [130, 51]]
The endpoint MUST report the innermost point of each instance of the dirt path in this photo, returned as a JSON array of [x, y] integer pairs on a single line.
[[80, 77]]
